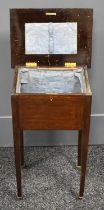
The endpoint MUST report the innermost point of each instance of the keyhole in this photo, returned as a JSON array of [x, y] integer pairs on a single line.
[[51, 99]]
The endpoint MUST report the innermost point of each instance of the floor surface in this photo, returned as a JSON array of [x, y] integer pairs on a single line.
[[51, 180]]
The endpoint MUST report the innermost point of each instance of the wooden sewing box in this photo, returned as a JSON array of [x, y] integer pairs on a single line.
[[48, 48]]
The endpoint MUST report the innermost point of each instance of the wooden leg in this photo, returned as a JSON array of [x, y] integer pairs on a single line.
[[22, 148], [17, 142], [83, 162], [85, 140], [79, 148], [17, 152]]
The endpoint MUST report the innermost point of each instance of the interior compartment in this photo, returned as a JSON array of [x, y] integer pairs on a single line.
[[53, 80]]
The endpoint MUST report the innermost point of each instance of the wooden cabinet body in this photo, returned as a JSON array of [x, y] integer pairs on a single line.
[[51, 111]]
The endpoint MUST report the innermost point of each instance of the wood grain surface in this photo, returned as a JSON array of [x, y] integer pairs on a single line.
[[18, 18]]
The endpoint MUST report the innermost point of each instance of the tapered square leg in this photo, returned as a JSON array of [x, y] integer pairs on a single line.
[[83, 162], [84, 144], [17, 152], [17, 136]]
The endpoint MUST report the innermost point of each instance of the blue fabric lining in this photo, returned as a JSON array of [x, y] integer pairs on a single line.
[[51, 38], [51, 81]]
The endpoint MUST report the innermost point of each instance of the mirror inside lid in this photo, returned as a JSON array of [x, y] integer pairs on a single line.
[[51, 37]]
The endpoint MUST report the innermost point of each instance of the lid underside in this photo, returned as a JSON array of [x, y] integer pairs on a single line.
[[51, 37]]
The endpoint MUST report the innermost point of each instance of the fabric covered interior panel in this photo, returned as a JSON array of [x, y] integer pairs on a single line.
[[51, 38], [51, 81]]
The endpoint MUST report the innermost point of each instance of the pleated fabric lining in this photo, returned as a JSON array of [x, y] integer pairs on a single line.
[[51, 38], [51, 81]]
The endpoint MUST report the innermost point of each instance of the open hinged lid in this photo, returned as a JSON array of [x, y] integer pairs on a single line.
[[51, 37]]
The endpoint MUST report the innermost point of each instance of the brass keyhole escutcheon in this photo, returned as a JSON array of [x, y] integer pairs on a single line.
[[51, 99]]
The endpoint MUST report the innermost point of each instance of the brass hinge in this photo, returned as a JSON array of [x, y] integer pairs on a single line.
[[31, 64], [70, 65], [34, 64]]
